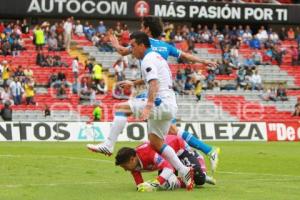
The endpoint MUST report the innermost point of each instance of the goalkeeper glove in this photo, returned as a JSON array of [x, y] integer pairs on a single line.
[[148, 186]]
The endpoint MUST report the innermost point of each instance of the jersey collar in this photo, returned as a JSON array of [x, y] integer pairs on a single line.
[[147, 51]]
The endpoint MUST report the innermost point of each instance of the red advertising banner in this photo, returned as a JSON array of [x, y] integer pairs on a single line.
[[283, 131]]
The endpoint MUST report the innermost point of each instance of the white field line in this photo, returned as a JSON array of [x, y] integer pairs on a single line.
[[53, 184], [54, 157], [258, 174]]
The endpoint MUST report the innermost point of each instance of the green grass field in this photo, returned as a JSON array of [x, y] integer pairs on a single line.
[[67, 171]]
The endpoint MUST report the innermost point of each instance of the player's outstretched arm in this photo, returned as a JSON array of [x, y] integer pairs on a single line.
[[195, 59], [120, 49]]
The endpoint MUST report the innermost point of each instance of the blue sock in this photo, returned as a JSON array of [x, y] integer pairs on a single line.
[[195, 142]]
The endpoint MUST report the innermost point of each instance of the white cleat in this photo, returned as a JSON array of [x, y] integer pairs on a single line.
[[100, 148], [210, 180], [188, 178], [214, 159]]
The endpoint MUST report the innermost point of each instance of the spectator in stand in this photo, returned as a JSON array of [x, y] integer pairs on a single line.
[[6, 48], [291, 34], [29, 91], [95, 39], [84, 89], [269, 94], [274, 37], [25, 27], [255, 43], [277, 54], [68, 26], [79, 29], [39, 38], [97, 113], [119, 67], [240, 31], [101, 87], [60, 43], [188, 86], [75, 67], [90, 32], [198, 90], [6, 112], [19, 73], [295, 55], [93, 95], [97, 73], [256, 81], [241, 73], [16, 48], [257, 57], [89, 66], [6, 96], [101, 28], [247, 36], [86, 28], [104, 43], [61, 92], [53, 80], [234, 56], [16, 90], [281, 93], [52, 43], [47, 112], [5, 72], [125, 36], [60, 29], [262, 34], [211, 79], [282, 34]]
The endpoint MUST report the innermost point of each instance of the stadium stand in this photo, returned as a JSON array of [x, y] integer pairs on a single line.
[[217, 94]]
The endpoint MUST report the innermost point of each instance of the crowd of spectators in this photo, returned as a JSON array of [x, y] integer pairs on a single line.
[[11, 41], [18, 84], [266, 45]]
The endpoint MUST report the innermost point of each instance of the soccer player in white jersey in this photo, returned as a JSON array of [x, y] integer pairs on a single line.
[[153, 27], [159, 108]]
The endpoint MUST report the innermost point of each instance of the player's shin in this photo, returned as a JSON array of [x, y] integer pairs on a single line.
[[117, 127]]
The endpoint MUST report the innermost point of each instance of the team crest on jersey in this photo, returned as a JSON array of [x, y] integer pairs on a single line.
[[158, 159]]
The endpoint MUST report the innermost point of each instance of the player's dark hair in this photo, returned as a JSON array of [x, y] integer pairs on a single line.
[[154, 24], [141, 38], [124, 155]]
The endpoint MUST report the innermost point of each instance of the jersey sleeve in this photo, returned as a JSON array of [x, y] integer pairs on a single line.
[[149, 70], [137, 176], [173, 51]]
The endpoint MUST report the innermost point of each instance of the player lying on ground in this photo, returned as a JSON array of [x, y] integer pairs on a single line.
[[144, 159], [158, 109], [153, 27]]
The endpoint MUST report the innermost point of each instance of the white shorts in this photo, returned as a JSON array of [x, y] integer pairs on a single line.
[[160, 118]]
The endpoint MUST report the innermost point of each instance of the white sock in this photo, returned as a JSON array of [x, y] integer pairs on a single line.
[[169, 154], [116, 129]]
